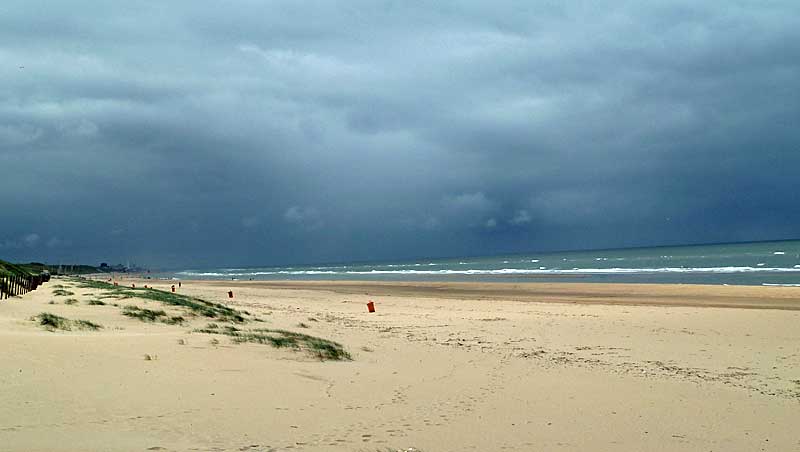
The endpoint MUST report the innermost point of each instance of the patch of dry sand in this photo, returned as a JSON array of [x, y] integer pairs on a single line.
[[440, 367]]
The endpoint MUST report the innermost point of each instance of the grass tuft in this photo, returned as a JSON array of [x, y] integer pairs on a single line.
[[150, 315], [87, 325], [321, 348], [62, 293], [175, 320], [52, 322], [71, 301], [96, 302], [145, 315]]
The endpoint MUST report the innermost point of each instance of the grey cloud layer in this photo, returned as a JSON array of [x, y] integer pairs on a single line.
[[188, 133]]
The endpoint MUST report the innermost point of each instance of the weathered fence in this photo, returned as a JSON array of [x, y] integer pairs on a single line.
[[12, 285]]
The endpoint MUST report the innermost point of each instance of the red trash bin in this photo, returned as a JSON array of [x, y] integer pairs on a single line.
[[371, 306]]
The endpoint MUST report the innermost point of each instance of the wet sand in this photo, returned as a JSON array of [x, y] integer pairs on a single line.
[[690, 295]]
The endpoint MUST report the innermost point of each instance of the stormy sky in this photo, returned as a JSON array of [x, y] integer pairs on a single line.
[[188, 133]]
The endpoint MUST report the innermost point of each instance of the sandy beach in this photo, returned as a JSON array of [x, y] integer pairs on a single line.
[[438, 367]]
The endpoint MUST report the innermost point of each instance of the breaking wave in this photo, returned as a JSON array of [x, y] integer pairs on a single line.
[[507, 271]]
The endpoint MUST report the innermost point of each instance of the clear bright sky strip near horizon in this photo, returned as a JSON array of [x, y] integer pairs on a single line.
[[206, 134]]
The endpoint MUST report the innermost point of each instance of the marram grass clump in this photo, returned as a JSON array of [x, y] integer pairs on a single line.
[[323, 349], [52, 322], [149, 315]]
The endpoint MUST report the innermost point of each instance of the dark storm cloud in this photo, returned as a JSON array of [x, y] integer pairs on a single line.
[[188, 133]]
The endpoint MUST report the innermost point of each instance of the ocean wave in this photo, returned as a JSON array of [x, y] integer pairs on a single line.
[[510, 271], [280, 272], [587, 271]]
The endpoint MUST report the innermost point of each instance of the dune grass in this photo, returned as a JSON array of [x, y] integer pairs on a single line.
[[96, 302], [62, 293], [410, 449], [149, 315], [86, 325], [71, 301], [195, 305], [321, 348], [52, 322]]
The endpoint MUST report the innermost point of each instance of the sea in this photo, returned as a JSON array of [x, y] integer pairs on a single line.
[[759, 263]]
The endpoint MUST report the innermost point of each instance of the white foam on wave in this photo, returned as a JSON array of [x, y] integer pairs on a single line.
[[512, 271], [780, 285], [779, 253], [578, 271]]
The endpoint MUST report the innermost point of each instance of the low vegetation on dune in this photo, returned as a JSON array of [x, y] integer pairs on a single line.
[[315, 346], [220, 314], [52, 322], [62, 293], [149, 315], [195, 305], [410, 449]]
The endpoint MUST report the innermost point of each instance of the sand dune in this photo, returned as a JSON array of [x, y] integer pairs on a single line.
[[438, 367]]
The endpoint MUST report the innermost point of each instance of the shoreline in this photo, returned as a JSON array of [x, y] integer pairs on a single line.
[[589, 293]]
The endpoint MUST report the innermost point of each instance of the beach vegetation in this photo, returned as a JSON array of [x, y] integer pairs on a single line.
[[197, 306], [145, 315], [62, 293], [71, 301], [410, 449], [52, 322], [150, 315], [86, 325], [323, 349], [96, 302]]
